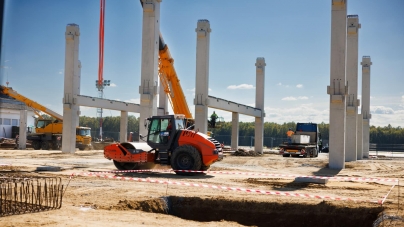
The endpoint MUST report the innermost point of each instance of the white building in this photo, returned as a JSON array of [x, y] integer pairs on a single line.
[[10, 116]]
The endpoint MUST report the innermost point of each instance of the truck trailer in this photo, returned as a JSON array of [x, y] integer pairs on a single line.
[[305, 142]]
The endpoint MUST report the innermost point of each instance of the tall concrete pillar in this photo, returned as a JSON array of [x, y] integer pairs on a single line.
[[366, 116], [22, 133], [123, 127], [148, 88], [259, 103], [71, 88], [163, 102], [234, 130], [359, 140], [202, 75], [352, 101], [337, 88]]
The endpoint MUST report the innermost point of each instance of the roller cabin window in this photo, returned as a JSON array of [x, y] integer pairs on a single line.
[[158, 132]]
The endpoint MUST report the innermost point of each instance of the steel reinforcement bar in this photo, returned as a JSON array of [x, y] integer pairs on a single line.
[[19, 195]]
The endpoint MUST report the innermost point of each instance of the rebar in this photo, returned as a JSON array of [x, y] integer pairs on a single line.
[[20, 195]]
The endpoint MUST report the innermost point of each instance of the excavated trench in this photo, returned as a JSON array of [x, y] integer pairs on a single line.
[[254, 213]]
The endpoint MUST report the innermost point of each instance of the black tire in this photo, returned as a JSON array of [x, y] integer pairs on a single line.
[[205, 168], [126, 165], [286, 155], [45, 145], [36, 145], [186, 157]]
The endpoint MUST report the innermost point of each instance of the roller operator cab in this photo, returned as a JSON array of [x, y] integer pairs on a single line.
[[168, 143]]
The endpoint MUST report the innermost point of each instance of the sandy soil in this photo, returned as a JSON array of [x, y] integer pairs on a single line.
[[137, 201]]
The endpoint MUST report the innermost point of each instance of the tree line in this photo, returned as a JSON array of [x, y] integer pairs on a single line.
[[384, 135]]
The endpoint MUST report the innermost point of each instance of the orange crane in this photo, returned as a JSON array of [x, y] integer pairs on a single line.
[[171, 83]]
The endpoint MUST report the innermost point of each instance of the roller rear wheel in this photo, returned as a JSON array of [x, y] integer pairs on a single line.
[[186, 157]]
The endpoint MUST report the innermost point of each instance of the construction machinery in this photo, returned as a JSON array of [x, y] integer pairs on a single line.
[[48, 133], [177, 146], [305, 142]]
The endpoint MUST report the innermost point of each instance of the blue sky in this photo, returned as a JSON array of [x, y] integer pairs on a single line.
[[292, 35]]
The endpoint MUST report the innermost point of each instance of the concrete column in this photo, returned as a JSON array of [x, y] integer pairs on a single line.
[[259, 103], [234, 130], [337, 88], [78, 85], [22, 134], [202, 75], [366, 116], [352, 101], [163, 102], [71, 88], [123, 128], [148, 88], [359, 140]]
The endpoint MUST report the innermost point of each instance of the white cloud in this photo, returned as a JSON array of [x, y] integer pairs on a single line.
[[381, 110], [60, 72], [241, 86], [291, 98], [299, 85], [112, 85], [302, 97], [300, 113], [282, 85], [402, 101]]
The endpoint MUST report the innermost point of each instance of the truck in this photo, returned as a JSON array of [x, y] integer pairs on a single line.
[[305, 142], [182, 148], [48, 132]]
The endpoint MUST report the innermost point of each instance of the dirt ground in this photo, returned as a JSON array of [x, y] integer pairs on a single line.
[[136, 200]]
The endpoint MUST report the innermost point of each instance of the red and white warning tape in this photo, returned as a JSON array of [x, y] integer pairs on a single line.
[[253, 174], [234, 189]]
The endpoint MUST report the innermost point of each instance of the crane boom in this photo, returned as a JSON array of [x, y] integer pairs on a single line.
[[171, 83], [31, 103]]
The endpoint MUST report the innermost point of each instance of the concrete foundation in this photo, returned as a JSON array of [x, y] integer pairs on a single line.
[[366, 116], [352, 101], [71, 88], [148, 88], [337, 88], [311, 180], [202, 75], [259, 103]]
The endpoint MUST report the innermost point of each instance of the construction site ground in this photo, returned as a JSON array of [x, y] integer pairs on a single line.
[[162, 198]]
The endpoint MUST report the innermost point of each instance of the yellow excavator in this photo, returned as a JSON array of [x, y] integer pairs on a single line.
[[48, 133]]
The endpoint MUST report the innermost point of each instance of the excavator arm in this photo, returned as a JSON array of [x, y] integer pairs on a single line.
[[31, 103]]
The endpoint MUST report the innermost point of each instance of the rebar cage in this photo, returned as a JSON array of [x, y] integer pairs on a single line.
[[20, 195]]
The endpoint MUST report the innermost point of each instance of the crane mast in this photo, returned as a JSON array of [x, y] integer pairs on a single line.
[[100, 84]]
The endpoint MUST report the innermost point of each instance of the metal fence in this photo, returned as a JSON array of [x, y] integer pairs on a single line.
[[386, 147], [21, 194]]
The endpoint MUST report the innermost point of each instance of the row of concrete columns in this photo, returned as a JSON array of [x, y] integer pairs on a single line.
[[349, 131], [148, 88]]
